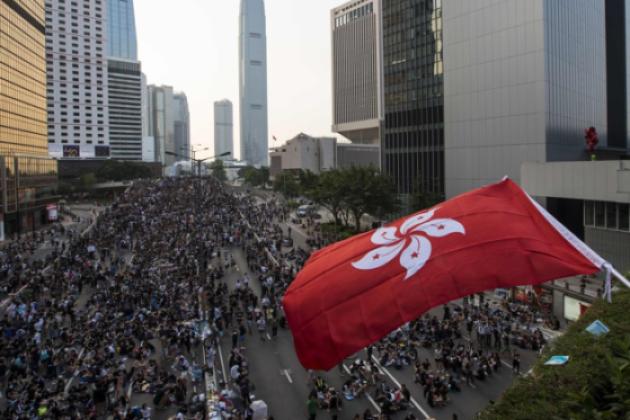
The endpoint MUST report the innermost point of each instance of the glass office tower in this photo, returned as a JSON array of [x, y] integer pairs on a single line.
[[121, 30], [413, 132], [27, 176]]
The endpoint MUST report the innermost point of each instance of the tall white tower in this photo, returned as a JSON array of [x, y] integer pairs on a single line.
[[253, 83], [223, 129]]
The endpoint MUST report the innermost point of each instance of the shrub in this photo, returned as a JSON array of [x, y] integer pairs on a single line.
[[594, 384]]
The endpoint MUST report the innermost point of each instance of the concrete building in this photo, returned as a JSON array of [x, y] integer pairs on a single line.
[[160, 108], [125, 82], [593, 200], [412, 136], [223, 129], [315, 154], [357, 70], [125, 109], [77, 79], [523, 80], [253, 83], [352, 154], [28, 200], [148, 149], [181, 128]]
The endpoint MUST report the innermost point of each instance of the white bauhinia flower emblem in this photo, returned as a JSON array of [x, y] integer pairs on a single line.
[[414, 248]]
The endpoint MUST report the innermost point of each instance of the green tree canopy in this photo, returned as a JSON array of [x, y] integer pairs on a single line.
[[594, 384], [218, 170], [254, 176], [368, 192], [330, 192], [287, 184], [115, 170]]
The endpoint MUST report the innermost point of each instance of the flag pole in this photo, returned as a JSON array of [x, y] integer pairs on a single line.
[[620, 277], [580, 246]]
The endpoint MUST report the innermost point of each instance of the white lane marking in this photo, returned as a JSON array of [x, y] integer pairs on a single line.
[[225, 378], [268, 337], [391, 377], [369, 397], [506, 364], [286, 373], [129, 390], [75, 374]]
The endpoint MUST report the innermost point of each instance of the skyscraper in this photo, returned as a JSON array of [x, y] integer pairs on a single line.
[[223, 128], [522, 83], [162, 127], [357, 73], [181, 126], [78, 109], [253, 83], [23, 135], [413, 131], [125, 82], [121, 30]]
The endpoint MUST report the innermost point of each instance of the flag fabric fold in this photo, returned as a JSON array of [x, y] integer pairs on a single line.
[[354, 292]]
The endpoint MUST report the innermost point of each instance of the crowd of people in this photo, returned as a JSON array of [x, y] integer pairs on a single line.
[[124, 321]]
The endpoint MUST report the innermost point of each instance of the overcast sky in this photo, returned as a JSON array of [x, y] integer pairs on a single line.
[[192, 45]]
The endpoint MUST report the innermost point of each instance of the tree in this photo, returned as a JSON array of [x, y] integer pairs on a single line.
[[88, 180], [329, 192], [114, 170], [286, 184], [368, 192], [423, 196], [308, 181], [218, 170], [255, 177]]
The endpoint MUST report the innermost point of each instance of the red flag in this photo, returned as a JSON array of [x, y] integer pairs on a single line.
[[354, 292]]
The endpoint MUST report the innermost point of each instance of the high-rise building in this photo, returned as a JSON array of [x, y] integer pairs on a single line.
[[125, 82], [121, 30], [357, 70], [181, 126], [78, 109], [412, 136], [524, 80], [223, 128], [23, 132], [168, 124], [253, 83]]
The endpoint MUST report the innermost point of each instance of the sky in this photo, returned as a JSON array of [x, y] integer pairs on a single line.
[[192, 45]]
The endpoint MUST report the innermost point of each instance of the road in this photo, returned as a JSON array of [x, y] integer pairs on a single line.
[[282, 382]]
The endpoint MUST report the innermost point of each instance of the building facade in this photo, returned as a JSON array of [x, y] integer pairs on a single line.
[[124, 82], [523, 80], [223, 128], [412, 135], [121, 30], [181, 126], [162, 128], [125, 109], [28, 177], [357, 70], [253, 83], [314, 154], [77, 79], [593, 200], [352, 154]]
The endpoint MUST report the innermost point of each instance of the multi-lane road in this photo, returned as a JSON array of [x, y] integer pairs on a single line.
[[284, 385]]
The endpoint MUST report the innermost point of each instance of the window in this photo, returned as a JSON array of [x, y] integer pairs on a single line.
[[600, 214], [624, 217], [611, 215]]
